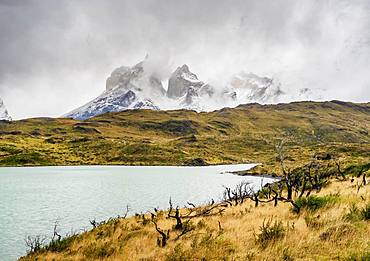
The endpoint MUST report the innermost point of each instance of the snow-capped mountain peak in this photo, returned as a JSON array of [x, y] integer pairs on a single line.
[[181, 80], [4, 115], [126, 88], [136, 88]]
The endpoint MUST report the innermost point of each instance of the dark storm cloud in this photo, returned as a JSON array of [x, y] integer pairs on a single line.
[[56, 55]]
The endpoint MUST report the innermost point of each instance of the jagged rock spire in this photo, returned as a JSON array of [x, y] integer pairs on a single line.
[[181, 81]]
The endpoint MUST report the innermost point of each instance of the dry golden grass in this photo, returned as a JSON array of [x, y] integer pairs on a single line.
[[322, 235]]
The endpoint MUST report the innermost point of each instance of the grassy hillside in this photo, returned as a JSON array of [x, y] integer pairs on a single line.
[[318, 211], [333, 224], [247, 133]]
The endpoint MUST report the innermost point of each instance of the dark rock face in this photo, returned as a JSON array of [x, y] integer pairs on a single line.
[[190, 95], [181, 81], [134, 78]]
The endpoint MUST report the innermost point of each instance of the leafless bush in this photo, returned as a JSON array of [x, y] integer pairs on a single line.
[[184, 219], [35, 243], [95, 223]]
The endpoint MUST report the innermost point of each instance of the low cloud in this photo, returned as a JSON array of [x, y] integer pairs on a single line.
[[56, 55]]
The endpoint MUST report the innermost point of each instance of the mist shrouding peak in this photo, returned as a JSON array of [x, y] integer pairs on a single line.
[[135, 88], [58, 54]]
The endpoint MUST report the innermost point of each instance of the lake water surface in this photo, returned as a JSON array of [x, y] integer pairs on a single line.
[[33, 198]]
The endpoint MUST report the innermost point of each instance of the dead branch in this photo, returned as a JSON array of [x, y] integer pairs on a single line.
[[162, 242], [55, 233], [127, 210]]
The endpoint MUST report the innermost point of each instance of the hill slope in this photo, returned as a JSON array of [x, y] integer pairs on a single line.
[[247, 133]]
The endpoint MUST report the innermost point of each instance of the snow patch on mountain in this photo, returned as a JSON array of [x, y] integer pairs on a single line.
[[249, 87], [4, 115], [139, 88]]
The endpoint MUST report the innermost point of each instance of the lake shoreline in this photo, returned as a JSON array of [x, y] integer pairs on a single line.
[[255, 175], [121, 165], [101, 192]]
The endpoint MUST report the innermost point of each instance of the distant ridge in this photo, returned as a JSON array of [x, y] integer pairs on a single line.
[[245, 134]]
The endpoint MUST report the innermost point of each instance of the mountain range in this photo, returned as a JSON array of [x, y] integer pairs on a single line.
[[137, 87]]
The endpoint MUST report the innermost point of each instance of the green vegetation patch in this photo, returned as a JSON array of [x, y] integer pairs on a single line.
[[61, 245], [11, 149], [208, 247], [25, 158], [98, 251], [270, 232], [313, 203], [356, 214], [176, 127], [365, 256]]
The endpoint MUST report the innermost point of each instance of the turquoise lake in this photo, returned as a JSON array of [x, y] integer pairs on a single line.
[[33, 198]]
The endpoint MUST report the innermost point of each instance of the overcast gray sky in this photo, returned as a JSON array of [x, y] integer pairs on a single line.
[[56, 55]]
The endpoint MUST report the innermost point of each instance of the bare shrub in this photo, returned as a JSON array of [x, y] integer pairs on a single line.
[[35, 243]]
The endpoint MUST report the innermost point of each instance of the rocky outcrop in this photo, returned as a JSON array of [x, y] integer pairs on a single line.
[[136, 79], [181, 81]]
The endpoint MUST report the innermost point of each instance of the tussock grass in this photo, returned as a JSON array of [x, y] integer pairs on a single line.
[[365, 213], [365, 256], [356, 214], [314, 203], [242, 232], [270, 231], [61, 245]]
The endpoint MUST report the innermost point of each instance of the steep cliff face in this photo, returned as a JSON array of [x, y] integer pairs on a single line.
[[181, 81], [135, 79]]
